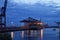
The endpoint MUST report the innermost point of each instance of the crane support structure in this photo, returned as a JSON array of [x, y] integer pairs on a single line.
[[3, 15]]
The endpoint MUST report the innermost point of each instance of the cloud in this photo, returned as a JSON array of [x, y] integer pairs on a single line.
[[32, 2], [48, 3], [24, 1]]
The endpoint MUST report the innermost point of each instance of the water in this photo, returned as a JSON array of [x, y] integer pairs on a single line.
[[48, 34]]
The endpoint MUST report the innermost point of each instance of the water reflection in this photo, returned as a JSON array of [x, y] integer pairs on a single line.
[[42, 34], [48, 34], [12, 35], [32, 34], [22, 34]]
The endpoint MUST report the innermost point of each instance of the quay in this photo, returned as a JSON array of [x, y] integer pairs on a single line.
[[30, 25], [11, 29]]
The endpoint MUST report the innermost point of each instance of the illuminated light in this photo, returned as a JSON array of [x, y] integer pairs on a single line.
[[22, 34], [31, 32], [41, 34], [40, 23], [12, 35]]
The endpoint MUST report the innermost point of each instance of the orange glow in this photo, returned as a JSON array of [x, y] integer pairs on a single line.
[[12, 34], [40, 23], [41, 34]]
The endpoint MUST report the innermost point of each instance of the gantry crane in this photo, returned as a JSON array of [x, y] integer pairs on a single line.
[[3, 15]]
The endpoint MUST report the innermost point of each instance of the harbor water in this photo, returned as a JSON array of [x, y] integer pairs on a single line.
[[48, 34]]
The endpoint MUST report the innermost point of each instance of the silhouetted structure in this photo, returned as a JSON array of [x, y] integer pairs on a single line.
[[3, 15], [46, 26], [58, 23], [32, 23]]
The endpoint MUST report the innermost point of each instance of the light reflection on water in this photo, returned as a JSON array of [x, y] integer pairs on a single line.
[[49, 34]]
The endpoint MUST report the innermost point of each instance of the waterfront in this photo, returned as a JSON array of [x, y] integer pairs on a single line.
[[41, 15], [49, 34]]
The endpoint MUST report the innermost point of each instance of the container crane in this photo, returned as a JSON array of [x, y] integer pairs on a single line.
[[3, 15]]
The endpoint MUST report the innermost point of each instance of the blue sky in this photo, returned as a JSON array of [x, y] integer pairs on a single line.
[[46, 10]]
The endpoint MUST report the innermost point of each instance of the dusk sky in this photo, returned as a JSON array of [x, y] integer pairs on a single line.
[[46, 10]]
